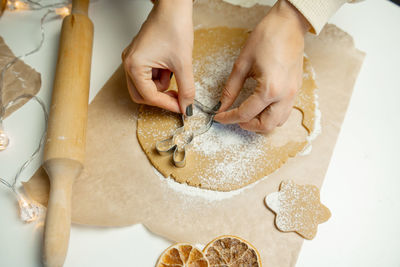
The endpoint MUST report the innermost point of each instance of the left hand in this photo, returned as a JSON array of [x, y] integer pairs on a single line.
[[163, 46], [273, 56]]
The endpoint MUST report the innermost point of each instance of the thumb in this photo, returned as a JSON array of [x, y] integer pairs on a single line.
[[186, 90], [234, 83]]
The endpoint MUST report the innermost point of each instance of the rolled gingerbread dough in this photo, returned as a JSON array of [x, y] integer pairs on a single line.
[[226, 157]]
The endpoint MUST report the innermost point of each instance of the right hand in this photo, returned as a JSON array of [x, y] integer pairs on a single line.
[[163, 46], [273, 56]]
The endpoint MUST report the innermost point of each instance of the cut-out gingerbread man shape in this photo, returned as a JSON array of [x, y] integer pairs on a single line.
[[298, 209]]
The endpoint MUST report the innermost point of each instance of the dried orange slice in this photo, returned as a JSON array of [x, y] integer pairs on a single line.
[[231, 251], [182, 255]]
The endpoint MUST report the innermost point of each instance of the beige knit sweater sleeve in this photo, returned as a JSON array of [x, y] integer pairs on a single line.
[[318, 12]]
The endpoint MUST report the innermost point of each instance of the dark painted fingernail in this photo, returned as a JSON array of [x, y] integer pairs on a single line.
[[170, 76], [217, 106], [189, 110]]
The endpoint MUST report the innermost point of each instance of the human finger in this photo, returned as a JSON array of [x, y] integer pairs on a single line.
[[162, 80], [186, 90], [275, 115], [249, 109], [142, 80], [134, 94], [234, 83]]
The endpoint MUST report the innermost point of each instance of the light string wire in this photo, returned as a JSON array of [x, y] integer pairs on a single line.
[[36, 5], [12, 62], [41, 143], [28, 211]]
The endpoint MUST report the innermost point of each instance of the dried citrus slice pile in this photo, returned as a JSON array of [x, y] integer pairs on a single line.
[[182, 255], [231, 251]]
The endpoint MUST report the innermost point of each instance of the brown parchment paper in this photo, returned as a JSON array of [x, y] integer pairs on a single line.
[[119, 187], [18, 79]]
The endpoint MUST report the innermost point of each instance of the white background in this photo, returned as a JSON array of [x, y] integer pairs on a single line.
[[362, 185]]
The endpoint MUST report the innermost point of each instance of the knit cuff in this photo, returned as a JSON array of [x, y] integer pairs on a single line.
[[317, 12]]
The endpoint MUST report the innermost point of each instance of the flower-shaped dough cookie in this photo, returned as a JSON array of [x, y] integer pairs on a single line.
[[298, 209]]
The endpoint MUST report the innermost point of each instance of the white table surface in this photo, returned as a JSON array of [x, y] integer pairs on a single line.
[[362, 185]]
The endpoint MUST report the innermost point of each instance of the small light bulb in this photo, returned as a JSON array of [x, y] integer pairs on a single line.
[[63, 11], [4, 141], [29, 211], [10, 5], [18, 5]]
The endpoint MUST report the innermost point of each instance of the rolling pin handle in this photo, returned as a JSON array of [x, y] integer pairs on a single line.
[[58, 217], [80, 6]]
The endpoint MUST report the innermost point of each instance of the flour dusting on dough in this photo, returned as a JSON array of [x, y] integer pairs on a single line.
[[317, 113], [298, 208], [317, 129], [205, 194]]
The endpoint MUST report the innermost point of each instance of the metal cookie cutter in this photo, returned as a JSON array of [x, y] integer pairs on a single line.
[[182, 137]]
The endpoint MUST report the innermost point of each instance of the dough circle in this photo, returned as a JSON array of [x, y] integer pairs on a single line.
[[226, 157]]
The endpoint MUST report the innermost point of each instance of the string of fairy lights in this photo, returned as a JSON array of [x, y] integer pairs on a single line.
[[29, 211]]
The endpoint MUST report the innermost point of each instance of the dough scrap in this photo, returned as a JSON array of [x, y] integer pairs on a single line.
[[226, 157], [298, 209]]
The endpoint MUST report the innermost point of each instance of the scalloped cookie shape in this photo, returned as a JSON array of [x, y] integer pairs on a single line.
[[298, 208]]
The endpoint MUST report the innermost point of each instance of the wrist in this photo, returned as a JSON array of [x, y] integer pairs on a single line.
[[174, 3], [173, 7], [165, 11], [291, 14]]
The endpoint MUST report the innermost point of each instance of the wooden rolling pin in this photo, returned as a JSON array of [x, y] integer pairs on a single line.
[[66, 135], [3, 5]]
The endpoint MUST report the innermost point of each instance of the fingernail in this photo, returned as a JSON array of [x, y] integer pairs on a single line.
[[217, 106], [189, 110], [170, 76]]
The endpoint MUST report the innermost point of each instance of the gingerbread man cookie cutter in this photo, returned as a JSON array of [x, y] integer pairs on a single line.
[[182, 137]]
